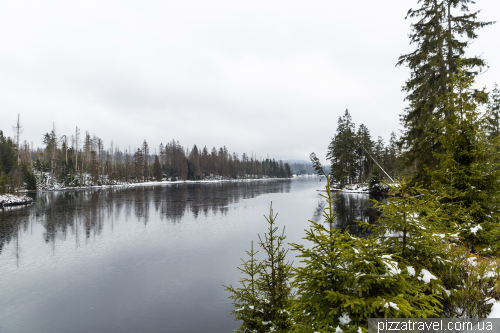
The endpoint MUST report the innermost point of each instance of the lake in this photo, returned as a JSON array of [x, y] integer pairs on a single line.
[[145, 258]]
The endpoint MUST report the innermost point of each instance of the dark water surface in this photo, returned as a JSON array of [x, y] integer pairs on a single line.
[[144, 259]]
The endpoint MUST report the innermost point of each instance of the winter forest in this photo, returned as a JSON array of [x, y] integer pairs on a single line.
[[76, 160]]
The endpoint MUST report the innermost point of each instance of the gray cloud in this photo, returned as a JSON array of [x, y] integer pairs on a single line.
[[268, 77]]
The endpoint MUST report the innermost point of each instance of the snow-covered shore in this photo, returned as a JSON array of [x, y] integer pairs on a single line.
[[352, 188], [7, 200], [362, 188], [59, 187], [13, 200]]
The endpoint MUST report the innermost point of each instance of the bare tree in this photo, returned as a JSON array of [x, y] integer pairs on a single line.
[[77, 141], [18, 129]]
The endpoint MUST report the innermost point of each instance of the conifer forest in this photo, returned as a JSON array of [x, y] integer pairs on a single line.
[[75, 161]]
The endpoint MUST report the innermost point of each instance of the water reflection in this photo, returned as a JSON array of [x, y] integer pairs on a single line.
[[71, 212], [351, 207]]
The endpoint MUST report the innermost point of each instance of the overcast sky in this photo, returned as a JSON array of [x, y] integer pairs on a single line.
[[270, 77]]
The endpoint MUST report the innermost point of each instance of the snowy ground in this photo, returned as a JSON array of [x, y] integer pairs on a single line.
[[11, 200], [355, 188], [359, 188]]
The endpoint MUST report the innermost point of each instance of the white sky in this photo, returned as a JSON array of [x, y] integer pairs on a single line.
[[270, 77]]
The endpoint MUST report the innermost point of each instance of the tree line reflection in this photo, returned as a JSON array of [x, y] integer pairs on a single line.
[[71, 213]]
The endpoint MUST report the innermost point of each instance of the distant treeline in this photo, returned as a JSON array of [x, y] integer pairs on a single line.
[[304, 168], [79, 161]]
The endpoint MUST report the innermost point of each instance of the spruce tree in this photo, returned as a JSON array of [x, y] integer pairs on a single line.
[[442, 33], [493, 114], [29, 177], [342, 151], [157, 169], [413, 226], [364, 143], [246, 298], [346, 280], [468, 175], [264, 297]]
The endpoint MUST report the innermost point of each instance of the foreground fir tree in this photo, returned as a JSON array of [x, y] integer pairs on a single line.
[[264, 297], [246, 297], [412, 226], [424, 231], [344, 280]]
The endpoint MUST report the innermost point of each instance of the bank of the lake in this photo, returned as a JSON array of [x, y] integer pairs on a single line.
[[7, 200], [54, 185]]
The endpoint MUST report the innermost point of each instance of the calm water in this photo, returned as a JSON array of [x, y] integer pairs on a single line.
[[143, 259]]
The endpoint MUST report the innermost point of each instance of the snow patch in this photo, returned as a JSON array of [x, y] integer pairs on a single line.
[[476, 229], [345, 319], [10, 199], [392, 305], [472, 261], [495, 310], [426, 276]]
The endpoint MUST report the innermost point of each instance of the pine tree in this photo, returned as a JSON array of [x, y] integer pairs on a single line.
[[438, 35], [157, 169], [342, 151], [246, 298], [364, 143], [264, 297], [345, 280]]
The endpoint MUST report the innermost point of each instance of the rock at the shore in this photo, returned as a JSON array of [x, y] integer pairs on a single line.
[[12, 200]]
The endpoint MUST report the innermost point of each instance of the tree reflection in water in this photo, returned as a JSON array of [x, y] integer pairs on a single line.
[[351, 207], [64, 213]]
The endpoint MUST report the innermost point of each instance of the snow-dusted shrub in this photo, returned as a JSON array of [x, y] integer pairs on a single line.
[[472, 284]]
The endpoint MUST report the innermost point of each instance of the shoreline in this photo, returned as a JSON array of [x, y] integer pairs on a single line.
[[154, 183], [9, 200]]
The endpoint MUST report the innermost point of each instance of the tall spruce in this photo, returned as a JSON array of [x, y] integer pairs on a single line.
[[364, 143], [442, 33], [158, 174]]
